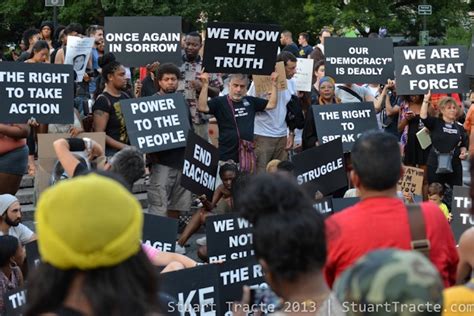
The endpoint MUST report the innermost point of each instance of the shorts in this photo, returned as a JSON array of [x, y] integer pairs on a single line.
[[15, 161], [165, 192]]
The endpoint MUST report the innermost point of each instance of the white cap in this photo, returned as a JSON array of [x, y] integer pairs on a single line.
[[5, 201]]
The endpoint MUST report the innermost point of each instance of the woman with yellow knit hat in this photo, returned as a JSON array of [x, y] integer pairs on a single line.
[[89, 231]]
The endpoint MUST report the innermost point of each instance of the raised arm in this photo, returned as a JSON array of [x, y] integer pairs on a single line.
[[202, 102], [63, 148], [424, 106]]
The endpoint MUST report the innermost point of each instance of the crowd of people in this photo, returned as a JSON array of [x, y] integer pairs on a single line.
[[384, 249]]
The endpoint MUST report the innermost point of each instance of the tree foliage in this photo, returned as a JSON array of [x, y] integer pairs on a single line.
[[400, 17]]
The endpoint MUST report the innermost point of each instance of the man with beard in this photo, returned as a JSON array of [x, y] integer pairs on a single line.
[[166, 196], [10, 221], [190, 84]]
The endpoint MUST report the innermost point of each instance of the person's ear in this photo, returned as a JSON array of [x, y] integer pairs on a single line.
[[355, 179]]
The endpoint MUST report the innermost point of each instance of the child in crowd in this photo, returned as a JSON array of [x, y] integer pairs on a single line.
[[222, 202], [435, 195]]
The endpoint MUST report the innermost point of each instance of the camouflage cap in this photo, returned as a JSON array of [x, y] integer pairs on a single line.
[[391, 282]]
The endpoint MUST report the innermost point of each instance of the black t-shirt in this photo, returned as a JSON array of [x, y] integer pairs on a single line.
[[292, 48], [116, 124], [244, 113], [304, 51], [445, 137]]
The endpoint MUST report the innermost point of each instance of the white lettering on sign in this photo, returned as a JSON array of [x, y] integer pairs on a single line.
[[467, 219], [224, 225], [161, 246], [202, 155], [18, 299], [462, 202], [238, 62], [202, 308], [161, 139], [235, 276], [198, 175], [319, 171], [240, 240], [34, 108], [153, 106]]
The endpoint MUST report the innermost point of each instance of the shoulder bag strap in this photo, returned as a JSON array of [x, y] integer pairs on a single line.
[[351, 92], [232, 112], [419, 241]]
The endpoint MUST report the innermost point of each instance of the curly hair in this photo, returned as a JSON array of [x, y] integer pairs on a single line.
[[287, 232]]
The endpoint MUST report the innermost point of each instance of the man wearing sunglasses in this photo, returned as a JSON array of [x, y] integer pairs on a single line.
[[10, 220]]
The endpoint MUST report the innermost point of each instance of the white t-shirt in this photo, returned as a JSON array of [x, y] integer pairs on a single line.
[[21, 232], [346, 97], [271, 123]]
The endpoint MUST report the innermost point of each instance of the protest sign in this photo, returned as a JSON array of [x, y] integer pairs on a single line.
[[338, 204], [321, 168], [359, 60], [32, 255], [229, 237], [461, 208], [346, 121], [15, 301], [263, 84], [304, 74], [201, 160], [411, 181], [195, 290], [440, 69], [42, 91], [160, 232], [78, 51], [470, 59], [47, 156], [241, 48], [158, 122], [233, 275], [324, 206], [140, 40]]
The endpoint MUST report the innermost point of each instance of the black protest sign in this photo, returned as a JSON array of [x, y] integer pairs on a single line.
[[15, 301], [346, 121], [229, 237], [233, 275], [139, 40], [470, 60], [157, 123], [241, 48], [32, 255], [461, 207], [324, 206], [321, 168], [359, 60], [42, 91], [201, 160], [195, 290], [338, 204], [160, 232], [441, 69]]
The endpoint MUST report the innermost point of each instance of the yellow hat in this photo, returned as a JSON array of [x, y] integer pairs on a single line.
[[88, 222]]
